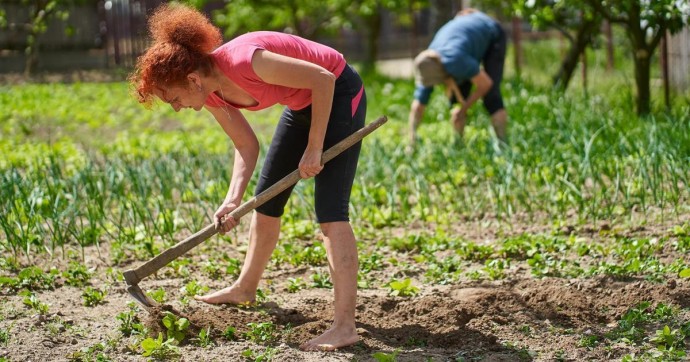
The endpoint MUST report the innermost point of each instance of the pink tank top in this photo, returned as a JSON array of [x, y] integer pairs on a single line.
[[234, 59]]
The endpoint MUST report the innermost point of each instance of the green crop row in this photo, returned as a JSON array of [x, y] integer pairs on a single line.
[[83, 163]]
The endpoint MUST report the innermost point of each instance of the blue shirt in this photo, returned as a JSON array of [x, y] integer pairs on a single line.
[[461, 43]]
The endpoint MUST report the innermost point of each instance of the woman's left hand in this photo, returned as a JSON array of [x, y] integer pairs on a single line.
[[310, 164]]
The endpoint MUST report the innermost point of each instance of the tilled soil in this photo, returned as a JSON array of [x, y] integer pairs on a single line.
[[519, 318]]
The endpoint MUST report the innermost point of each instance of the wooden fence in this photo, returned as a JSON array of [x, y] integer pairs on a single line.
[[679, 60], [112, 33], [126, 29], [97, 34]]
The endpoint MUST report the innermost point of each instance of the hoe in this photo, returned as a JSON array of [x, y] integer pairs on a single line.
[[134, 276]]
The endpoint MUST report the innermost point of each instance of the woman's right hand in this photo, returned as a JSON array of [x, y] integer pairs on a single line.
[[225, 224]]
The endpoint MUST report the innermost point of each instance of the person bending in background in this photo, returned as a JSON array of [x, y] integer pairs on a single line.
[[453, 59], [187, 67]]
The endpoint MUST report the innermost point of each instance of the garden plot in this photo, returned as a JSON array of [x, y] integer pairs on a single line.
[[571, 244]]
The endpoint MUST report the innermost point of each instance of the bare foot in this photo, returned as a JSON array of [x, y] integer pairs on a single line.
[[332, 339], [230, 295]]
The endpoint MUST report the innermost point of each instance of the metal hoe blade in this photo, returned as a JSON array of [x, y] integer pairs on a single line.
[[136, 292]]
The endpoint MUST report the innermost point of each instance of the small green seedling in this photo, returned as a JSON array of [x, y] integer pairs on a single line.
[[130, 323], [230, 333], [31, 301], [262, 333], [264, 356], [403, 288], [685, 273], [32, 278], [176, 326], [114, 275], [234, 267], [9, 263], [179, 267], [212, 269], [5, 335], [190, 290], [668, 339], [295, 284], [93, 297], [321, 280], [373, 261], [588, 341], [204, 340], [494, 268], [261, 295], [92, 353], [56, 326], [77, 275], [386, 357], [363, 281], [193, 288], [157, 294], [159, 349]]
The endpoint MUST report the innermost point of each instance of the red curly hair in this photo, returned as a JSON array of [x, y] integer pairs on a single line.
[[183, 39]]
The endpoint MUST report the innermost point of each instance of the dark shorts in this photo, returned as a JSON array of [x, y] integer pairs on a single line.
[[334, 182], [493, 65]]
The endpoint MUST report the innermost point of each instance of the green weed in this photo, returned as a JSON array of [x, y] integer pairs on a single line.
[[386, 357], [179, 267], [193, 288], [265, 356], [130, 323], [160, 349], [668, 339], [31, 301], [230, 333], [94, 353], [403, 288], [5, 335], [158, 295], [264, 333], [588, 341], [233, 267], [321, 280], [295, 284], [212, 269], [204, 339], [176, 327], [93, 297], [32, 278]]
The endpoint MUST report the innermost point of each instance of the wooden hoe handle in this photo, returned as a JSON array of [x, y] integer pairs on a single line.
[[179, 249]]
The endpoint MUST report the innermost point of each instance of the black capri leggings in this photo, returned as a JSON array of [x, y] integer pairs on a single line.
[[334, 182], [493, 65]]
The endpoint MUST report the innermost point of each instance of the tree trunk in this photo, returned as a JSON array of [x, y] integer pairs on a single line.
[[31, 57], [642, 71], [664, 71], [577, 48], [610, 61], [373, 34], [38, 16], [294, 21], [517, 45], [642, 55], [584, 70]]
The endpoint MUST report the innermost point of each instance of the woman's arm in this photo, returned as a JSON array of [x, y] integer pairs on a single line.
[[246, 154], [295, 73], [483, 84]]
